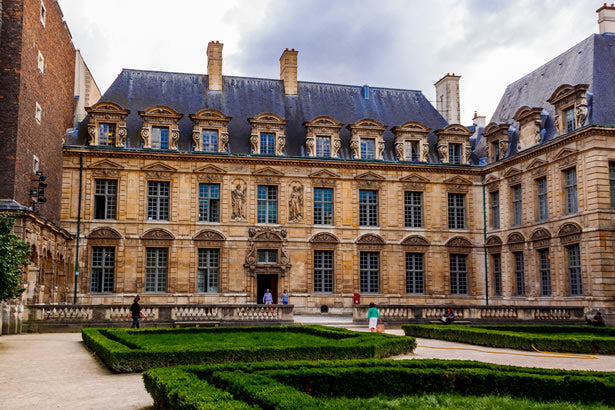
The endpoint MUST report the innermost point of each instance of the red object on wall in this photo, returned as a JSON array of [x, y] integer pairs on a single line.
[[356, 299]]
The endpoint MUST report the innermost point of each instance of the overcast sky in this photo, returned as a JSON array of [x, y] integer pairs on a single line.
[[387, 43]]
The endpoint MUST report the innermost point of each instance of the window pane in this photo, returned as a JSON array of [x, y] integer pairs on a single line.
[[519, 273], [495, 210], [323, 271], [267, 256], [570, 188], [209, 202], [574, 270], [368, 208], [456, 211], [517, 205], [454, 153], [267, 143], [105, 198], [267, 204], [413, 204], [368, 148], [158, 200], [160, 137], [323, 146], [497, 274], [208, 270], [543, 206], [545, 272], [570, 124], [156, 269], [102, 269], [323, 206], [106, 134], [369, 263], [210, 140], [415, 273], [459, 274]]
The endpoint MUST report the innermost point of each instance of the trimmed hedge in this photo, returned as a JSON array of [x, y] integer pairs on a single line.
[[546, 338], [306, 384], [122, 354]]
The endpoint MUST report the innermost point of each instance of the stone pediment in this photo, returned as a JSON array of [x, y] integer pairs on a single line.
[[160, 110], [459, 242], [491, 179], [537, 163], [415, 240], [157, 234], [323, 173], [104, 233], [564, 153], [566, 90], [268, 171], [267, 117], [208, 114], [493, 241], [106, 164], [370, 123], [324, 237], [494, 128], [526, 112], [412, 127], [515, 238], [540, 234], [209, 169], [107, 107], [414, 178], [323, 121], [370, 176], [209, 235], [512, 172], [267, 234], [158, 166], [457, 180], [569, 229], [454, 129], [370, 239]]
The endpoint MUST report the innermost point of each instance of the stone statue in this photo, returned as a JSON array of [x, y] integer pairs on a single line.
[[224, 142], [238, 197], [92, 134], [380, 150], [355, 148], [121, 134], [280, 145], [310, 147], [145, 137], [581, 113], [174, 139], [337, 145], [196, 138], [425, 152], [254, 143], [399, 151], [468, 154], [557, 124], [442, 153], [295, 204], [503, 148]]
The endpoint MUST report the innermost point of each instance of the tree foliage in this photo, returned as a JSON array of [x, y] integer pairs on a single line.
[[14, 257]]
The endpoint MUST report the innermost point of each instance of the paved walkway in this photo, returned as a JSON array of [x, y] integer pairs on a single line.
[[55, 370]]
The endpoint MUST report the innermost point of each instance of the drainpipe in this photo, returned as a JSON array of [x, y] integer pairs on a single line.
[[78, 227], [484, 244]]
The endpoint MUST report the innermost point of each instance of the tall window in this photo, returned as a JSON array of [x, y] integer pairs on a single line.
[[459, 274], [210, 140], [323, 146], [454, 153], [415, 273], [456, 211], [267, 143], [267, 256], [569, 115], [160, 137], [267, 204], [545, 272], [103, 268], [497, 274], [106, 134], [323, 206], [208, 272], [323, 271], [156, 269], [411, 151], [496, 150], [517, 205], [158, 200], [543, 205], [519, 274], [209, 202], [369, 272], [612, 183], [413, 209], [105, 198], [570, 190], [495, 210], [574, 269], [368, 148], [368, 208]]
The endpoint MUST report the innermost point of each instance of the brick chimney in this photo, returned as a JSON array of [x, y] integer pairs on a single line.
[[288, 71], [479, 120], [606, 18], [447, 98], [214, 65]]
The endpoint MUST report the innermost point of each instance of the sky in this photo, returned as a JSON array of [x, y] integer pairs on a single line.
[[408, 44]]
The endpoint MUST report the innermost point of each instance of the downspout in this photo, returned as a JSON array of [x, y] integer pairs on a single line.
[[78, 228], [484, 244]]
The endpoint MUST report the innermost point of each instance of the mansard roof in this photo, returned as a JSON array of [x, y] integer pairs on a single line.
[[243, 98], [592, 62]]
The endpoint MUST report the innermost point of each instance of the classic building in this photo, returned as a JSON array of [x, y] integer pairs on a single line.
[[190, 188]]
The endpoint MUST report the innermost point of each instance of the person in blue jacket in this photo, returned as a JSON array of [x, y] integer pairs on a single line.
[[285, 297], [267, 298]]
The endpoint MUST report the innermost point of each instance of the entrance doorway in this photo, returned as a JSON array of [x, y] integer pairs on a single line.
[[264, 282]]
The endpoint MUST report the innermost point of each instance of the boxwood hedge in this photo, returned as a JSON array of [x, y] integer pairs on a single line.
[[571, 339], [303, 384], [123, 353]]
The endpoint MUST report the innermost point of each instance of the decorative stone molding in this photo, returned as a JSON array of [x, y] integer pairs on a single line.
[[496, 135], [514, 176], [367, 128], [457, 184], [324, 178], [267, 238], [515, 242], [106, 168], [370, 241], [459, 244], [454, 134], [540, 238], [210, 120], [267, 175], [157, 237], [160, 116], [324, 238], [104, 233], [106, 112], [567, 158], [369, 180], [323, 126], [414, 182], [530, 127], [209, 237], [267, 123], [415, 243], [295, 202], [209, 173], [414, 133], [570, 233], [158, 170], [567, 97], [538, 168], [494, 244]]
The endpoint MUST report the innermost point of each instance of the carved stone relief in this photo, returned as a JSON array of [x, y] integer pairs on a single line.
[[268, 123], [107, 112], [238, 200], [160, 115], [569, 233], [268, 238], [295, 203]]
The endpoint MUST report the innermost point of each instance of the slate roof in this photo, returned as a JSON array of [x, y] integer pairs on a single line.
[[592, 61], [244, 97]]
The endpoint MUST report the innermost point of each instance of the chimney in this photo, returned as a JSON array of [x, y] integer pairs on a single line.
[[479, 120], [606, 18], [214, 65], [447, 98], [288, 71]]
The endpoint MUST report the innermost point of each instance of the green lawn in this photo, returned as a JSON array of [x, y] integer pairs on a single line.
[[550, 338], [133, 350]]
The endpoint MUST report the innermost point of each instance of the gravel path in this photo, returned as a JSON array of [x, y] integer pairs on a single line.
[[55, 370]]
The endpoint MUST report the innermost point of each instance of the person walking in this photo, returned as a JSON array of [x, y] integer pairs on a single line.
[[285, 297], [136, 312], [373, 316], [267, 298]]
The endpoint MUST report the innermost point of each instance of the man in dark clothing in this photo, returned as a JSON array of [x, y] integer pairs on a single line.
[[136, 312], [598, 320]]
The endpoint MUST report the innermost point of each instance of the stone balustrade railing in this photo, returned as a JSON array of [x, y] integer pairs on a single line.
[[485, 314]]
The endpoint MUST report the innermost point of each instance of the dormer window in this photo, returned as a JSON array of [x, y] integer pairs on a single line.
[[454, 144], [454, 153], [322, 137], [210, 132], [267, 135], [367, 139], [495, 148], [571, 109], [160, 138], [569, 116], [368, 148], [267, 143], [323, 146], [106, 134], [411, 142], [497, 140], [210, 140], [411, 151]]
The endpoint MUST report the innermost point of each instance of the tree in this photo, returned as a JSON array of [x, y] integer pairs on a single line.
[[14, 257]]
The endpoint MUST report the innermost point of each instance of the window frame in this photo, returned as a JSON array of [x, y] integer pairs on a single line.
[[40, 62], [161, 138], [544, 265], [321, 204], [324, 271], [413, 209], [109, 197], [368, 208], [542, 199], [156, 201], [367, 148], [519, 264], [455, 153], [612, 182], [209, 205], [208, 270], [265, 144], [571, 201], [517, 201], [496, 263], [157, 272], [369, 276], [269, 203], [411, 150], [495, 209], [323, 151], [459, 274], [267, 252], [573, 253], [105, 272], [107, 138], [456, 211], [569, 119], [210, 146], [43, 14], [415, 273]]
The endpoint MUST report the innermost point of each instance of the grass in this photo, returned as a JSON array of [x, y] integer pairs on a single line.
[[133, 350], [568, 339]]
